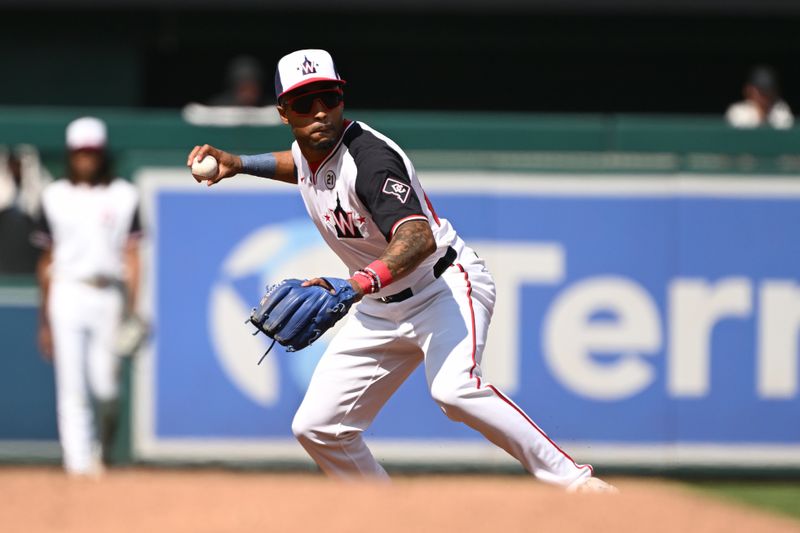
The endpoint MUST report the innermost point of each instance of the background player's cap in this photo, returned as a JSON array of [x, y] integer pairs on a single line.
[[86, 133], [302, 67]]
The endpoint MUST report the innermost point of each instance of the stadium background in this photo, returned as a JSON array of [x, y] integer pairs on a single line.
[[594, 90]]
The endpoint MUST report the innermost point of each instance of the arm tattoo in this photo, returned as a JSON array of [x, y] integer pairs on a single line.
[[410, 245]]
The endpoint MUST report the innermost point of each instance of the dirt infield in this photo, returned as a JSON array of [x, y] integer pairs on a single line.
[[36, 500]]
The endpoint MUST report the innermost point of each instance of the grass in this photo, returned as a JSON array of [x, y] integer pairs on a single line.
[[778, 496]]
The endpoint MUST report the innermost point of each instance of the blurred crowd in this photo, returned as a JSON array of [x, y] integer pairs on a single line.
[[245, 99], [22, 179]]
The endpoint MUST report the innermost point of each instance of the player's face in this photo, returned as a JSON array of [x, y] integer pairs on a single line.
[[761, 98], [85, 165], [315, 113]]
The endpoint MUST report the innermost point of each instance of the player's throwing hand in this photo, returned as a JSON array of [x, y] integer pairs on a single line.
[[228, 164]]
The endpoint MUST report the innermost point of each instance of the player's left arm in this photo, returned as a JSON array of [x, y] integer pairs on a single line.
[[45, 335], [132, 264], [132, 274], [411, 244], [42, 238]]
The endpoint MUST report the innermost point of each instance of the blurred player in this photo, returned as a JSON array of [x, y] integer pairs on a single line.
[[245, 81], [762, 104], [88, 274]]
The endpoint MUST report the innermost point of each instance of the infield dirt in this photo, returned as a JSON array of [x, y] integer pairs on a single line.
[[40, 499]]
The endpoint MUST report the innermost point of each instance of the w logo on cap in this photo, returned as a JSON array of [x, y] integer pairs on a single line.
[[302, 67], [308, 67]]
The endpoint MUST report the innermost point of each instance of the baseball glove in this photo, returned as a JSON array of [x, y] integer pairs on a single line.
[[296, 316]]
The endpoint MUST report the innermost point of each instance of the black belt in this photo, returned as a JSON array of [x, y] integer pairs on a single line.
[[102, 282], [438, 269]]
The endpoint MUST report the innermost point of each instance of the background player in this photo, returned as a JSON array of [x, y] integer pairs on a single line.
[[89, 229], [762, 104], [426, 295]]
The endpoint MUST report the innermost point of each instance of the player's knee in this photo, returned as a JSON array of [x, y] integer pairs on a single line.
[[107, 392], [449, 398], [103, 384], [302, 427], [309, 430], [312, 432]]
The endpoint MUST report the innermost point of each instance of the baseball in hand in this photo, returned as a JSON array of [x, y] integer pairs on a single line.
[[205, 168]]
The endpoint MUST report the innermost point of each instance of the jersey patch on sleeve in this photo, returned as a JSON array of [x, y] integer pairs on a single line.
[[41, 236], [135, 230], [383, 183], [396, 188]]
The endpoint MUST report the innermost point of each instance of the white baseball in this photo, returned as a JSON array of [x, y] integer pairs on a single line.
[[205, 168]]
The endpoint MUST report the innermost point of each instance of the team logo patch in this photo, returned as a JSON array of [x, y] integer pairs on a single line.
[[308, 67], [348, 224], [330, 179], [397, 189]]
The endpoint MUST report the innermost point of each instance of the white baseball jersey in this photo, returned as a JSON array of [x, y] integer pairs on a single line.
[[88, 227], [361, 193], [357, 197], [745, 114]]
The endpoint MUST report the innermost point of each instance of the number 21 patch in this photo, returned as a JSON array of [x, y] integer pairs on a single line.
[[397, 189]]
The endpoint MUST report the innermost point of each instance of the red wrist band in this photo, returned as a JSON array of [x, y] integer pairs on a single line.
[[380, 269], [364, 281], [373, 277]]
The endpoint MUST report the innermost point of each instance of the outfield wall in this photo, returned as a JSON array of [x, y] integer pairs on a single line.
[[640, 322]]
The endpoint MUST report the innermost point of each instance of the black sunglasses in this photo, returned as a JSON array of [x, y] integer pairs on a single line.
[[302, 104]]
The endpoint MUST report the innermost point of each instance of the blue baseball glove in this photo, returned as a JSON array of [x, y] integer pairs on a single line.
[[296, 316]]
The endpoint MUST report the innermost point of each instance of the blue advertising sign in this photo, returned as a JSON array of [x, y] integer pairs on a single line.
[[27, 389], [654, 315]]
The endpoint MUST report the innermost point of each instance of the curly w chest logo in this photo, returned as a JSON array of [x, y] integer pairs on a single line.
[[346, 223]]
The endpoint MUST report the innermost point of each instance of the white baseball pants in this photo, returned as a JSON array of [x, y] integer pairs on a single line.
[[84, 321], [445, 325]]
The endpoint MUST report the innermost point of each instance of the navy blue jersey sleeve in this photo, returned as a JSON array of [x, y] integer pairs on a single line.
[[382, 182], [41, 236], [135, 230]]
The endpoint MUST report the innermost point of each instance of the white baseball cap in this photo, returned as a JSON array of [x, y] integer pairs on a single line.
[[86, 132], [303, 67]]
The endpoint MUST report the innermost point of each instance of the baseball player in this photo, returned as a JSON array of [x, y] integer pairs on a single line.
[[89, 230], [762, 104], [423, 295]]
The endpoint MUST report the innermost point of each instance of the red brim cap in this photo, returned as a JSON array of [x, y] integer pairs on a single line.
[[303, 67], [309, 81]]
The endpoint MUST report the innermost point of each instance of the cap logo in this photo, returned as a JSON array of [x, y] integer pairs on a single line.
[[308, 67]]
